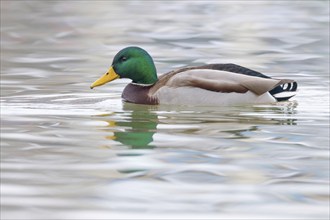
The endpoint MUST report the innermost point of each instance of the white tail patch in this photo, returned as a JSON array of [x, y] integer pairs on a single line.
[[285, 94]]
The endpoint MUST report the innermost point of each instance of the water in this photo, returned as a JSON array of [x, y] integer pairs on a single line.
[[68, 152]]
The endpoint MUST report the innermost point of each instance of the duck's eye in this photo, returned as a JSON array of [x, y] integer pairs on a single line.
[[123, 59]]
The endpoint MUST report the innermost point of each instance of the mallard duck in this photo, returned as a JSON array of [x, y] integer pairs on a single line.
[[212, 84]]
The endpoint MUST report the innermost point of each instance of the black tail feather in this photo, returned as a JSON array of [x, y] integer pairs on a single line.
[[284, 91]]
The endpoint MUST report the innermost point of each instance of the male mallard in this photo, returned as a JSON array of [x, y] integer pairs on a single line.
[[213, 84]]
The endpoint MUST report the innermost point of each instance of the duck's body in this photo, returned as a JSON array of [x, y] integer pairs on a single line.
[[214, 84]]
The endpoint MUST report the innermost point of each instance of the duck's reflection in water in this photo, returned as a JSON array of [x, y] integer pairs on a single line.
[[135, 127]]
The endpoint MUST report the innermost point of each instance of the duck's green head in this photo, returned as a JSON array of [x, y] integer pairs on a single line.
[[133, 63]]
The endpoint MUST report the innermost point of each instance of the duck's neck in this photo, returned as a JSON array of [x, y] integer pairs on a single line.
[[146, 79], [145, 72]]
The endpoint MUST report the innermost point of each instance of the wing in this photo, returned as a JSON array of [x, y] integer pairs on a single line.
[[221, 81], [284, 90]]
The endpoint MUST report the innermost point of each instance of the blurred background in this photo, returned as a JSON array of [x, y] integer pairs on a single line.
[[68, 152]]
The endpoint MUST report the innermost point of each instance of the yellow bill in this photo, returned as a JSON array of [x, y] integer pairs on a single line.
[[107, 77]]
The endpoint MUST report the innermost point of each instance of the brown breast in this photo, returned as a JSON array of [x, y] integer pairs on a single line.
[[138, 94]]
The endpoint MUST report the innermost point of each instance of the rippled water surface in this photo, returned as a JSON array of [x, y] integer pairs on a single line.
[[68, 152]]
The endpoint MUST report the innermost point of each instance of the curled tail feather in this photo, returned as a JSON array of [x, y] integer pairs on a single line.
[[284, 91]]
